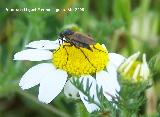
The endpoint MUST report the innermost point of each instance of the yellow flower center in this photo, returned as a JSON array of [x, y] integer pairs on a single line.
[[80, 61]]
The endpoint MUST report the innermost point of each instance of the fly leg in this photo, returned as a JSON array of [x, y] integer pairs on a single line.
[[86, 57], [98, 49], [59, 44], [67, 54], [64, 46], [84, 53]]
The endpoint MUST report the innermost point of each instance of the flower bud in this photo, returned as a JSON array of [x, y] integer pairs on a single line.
[[134, 68]]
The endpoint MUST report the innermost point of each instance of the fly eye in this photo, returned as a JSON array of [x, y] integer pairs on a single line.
[[68, 32]]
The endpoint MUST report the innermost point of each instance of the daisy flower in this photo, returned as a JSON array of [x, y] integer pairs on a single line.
[[66, 61]]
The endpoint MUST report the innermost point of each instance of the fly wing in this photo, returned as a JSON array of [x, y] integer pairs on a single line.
[[83, 39]]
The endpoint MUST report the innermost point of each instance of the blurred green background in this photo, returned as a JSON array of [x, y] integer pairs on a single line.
[[124, 26]]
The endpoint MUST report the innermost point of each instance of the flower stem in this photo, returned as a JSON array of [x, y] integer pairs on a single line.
[[151, 102], [47, 107], [81, 111]]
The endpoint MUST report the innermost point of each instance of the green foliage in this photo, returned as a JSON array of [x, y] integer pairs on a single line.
[[155, 68], [132, 98]]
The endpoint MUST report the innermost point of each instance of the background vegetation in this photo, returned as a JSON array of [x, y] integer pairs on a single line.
[[125, 26]]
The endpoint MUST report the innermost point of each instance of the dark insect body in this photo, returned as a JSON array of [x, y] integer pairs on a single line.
[[77, 39]]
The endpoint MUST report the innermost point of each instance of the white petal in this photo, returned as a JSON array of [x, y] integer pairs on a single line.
[[44, 44], [104, 47], [71, 91], [109, 84], [116, 59], [89, 106], [52, 84], [33, 55], [136, 72], [128, 62], [111, 68], [145, 67], [34, 75]]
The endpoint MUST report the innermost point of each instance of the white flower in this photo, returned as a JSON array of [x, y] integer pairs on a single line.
[[53, 80]]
